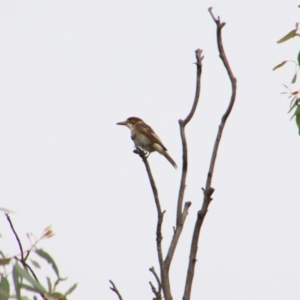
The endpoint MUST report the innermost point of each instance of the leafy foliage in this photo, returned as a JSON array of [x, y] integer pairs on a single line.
[[293, 89], [19, 281]]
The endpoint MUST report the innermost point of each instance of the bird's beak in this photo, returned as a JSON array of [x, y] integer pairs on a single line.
[[122, 123]]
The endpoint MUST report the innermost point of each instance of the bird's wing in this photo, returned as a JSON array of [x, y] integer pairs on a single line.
[[149, 133]]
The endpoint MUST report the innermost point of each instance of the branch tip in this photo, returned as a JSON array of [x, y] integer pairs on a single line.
[[115, 290], [208, 190], [188, 203]]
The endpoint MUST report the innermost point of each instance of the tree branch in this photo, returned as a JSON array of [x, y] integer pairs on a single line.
[[154, 291], [158, 293], [208, 191], [165, 282], [182, 124], [114, 289], [23, 259], [181, 215]]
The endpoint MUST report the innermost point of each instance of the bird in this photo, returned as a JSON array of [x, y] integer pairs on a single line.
[[145, 138]]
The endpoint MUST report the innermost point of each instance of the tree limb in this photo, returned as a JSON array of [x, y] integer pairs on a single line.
[[157, 292], [154, 291], [165, 282], [114, 289], [181, 215], [182, 124], [208, 191], [23, 259]]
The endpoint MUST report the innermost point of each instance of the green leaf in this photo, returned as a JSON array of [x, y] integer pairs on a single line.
[[35, 263], [288, 36], [49, 285], [27, 287], [25, 274], [49, 259], [4, 288], [25, 298], [280, 65], [298, 58], [297, 114], [16, 282], [71, 289], [294, 78], [293, 103]]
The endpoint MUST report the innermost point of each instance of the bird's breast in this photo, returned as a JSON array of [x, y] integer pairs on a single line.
[[142, 141]]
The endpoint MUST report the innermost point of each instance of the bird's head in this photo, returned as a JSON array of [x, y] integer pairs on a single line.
[[130, 122]]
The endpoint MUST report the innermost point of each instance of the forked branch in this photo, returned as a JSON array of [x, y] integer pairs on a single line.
[[115, 290], [156, 292], [181, 214], [182, 124], [23, 258], [208, 191]]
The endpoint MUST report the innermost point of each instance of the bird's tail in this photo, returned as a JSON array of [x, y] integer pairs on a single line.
[[169, 158]]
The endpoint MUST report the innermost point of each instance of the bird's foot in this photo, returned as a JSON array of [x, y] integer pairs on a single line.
[[141, 152]]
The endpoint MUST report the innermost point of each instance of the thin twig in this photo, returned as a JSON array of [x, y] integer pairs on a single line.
[[181, 215], [165, 282], [22, 260], [16, 235], [154, 291], [208, 191], [114, 289], [160, 214], [152, 270], [182, 124]]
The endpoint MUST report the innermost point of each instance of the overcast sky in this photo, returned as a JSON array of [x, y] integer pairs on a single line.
[[69, 70]]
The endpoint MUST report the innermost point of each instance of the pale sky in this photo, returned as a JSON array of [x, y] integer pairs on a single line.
[[69, 70]]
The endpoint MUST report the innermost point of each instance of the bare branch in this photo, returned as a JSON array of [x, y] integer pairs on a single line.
[[160, 214], [182, 124], [208, 191], [158, 295], [176, 236], [114, 289], [165, 282], [181, 215], [155, 292]]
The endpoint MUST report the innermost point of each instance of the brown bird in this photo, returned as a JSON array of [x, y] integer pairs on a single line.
[[144, 137]]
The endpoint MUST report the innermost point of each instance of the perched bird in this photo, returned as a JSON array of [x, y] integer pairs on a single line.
[[144, 137]]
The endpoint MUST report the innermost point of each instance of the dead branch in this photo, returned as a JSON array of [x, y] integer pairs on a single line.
[[155, 292], [181, 215], [208, 191], [182, 124], [114, 289], [158, 292], [165, 283]]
